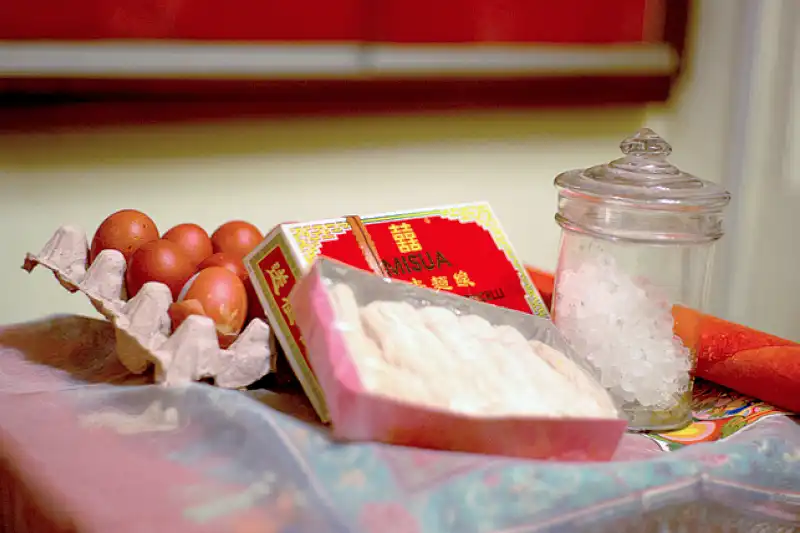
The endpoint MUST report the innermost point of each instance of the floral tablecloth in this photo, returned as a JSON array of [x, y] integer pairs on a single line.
[[86, 447]]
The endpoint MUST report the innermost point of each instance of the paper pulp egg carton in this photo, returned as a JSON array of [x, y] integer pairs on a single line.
[[143, 325]]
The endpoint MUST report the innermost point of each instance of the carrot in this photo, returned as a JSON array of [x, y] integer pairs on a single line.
[[714, 340], [544, 282], [749, 361], [771, 373]]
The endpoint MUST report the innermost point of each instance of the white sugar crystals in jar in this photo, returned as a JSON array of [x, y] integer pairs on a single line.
[[637, 240]]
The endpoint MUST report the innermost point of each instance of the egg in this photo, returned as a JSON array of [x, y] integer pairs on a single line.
[[220, 294], [235, 265], [254, 307], [162, 261], [231, 262], [125, 231], [237, 238], [192, 239]]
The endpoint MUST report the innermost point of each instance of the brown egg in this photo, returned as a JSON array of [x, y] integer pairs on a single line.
[[235, 265], [192, 239], [125, 231], [222, 297], [254, 308], [231, 262], [161, 261], [236, 238]]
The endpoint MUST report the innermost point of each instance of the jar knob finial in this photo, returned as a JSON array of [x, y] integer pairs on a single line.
[[645, 142]]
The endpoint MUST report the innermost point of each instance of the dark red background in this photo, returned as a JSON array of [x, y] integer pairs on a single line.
[[46, 103], [515, 21], [347, 250], [468, 247], [392, 21]]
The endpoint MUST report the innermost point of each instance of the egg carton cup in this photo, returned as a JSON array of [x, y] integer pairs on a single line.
[[143, 324]]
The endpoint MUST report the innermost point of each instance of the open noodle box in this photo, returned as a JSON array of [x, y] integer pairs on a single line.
[[460, 249], [142, 324], [331, 327]]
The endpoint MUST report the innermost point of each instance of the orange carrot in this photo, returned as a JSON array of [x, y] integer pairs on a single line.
[[715, 340], [749, 361], [544, 282]]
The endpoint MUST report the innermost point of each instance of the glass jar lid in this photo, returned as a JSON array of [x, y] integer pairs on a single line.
[[644, 177]]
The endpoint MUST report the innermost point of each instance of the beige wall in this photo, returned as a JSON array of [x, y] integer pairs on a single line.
[[269, 172]]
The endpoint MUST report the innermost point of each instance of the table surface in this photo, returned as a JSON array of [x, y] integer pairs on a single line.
[[88, 447]]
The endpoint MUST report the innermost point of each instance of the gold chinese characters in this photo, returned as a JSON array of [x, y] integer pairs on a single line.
[[405, 238], [444, 283], [278, 277]]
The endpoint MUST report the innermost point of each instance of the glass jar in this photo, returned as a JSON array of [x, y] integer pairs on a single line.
[[637, 240]]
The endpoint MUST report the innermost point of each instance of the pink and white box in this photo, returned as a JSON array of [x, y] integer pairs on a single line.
[[359, 413]]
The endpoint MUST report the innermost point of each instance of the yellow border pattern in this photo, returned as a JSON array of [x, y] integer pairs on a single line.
[[309, 237]]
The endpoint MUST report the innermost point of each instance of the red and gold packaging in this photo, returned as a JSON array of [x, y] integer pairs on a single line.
[[460, 249]]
